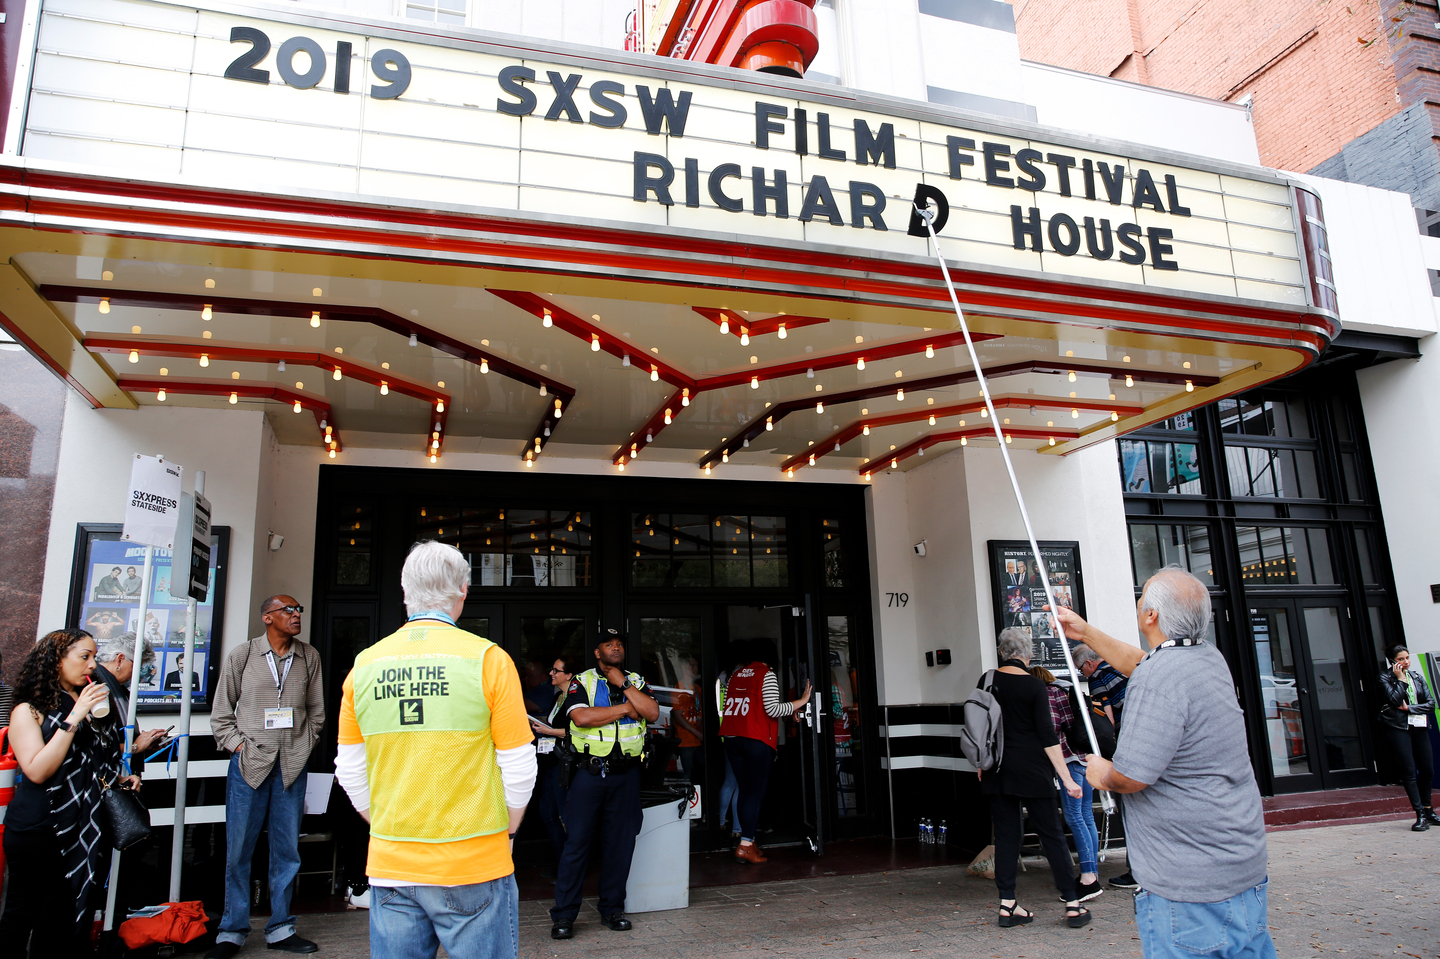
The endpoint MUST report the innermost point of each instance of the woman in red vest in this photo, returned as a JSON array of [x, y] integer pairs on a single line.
[[750, 728]]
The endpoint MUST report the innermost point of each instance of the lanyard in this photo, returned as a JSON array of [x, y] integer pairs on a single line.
[[279, 679], [432, 614], [1174, 642]]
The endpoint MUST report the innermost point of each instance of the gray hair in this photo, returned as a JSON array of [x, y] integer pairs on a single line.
[[434, 577], [117, 645], [1180, 601], [1084, 654], [1015, 643]]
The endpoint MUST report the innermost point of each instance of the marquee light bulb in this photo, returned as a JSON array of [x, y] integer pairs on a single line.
[[754, 382], [434, 444], [649, 437], [769, 424], [546, 321], [1072, 376], [206, 313], [160, 396], [1052, 441], [529, 463], [204, 359], [725, 456], [781, 332], [894, 464], [860, 363], [819, 407], [384, 388], [625, 361], [1114, 416], [414, 340], [837, 447], [744, 336], [432, 457], [932, 419], [105, 304], [559, 410], [867, 477], [543, 391], [900, 395], [790, 473], [337, 373], [234, 398], [812, 459], [595, 343], [1189, 387], [298, 407], [929, 352], [707, 469], [1007, 437], [685, 398], [315, 322], [667, 417], [332, 454], [865, 429], [484, 365], [620, 466], [1129, 380], [439, 406], [134, 356], [724, 327], [1074, 414], [328, 430], [654, 373], [984, 413]]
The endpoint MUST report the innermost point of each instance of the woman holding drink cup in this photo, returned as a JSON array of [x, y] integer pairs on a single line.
[[67, 743]]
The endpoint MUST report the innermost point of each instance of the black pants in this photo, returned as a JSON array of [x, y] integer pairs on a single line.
[[1417, 765], [1009, 823], [751, 759], [608, 807], [40, 906]]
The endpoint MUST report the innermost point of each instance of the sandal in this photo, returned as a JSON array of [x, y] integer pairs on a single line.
[[1009, 917], [1076, 916]]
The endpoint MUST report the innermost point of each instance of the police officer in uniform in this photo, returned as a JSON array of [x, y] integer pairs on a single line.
[[608, 710]]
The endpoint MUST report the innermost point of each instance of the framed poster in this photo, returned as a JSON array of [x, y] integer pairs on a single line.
[[105, 585], [1019, 592]]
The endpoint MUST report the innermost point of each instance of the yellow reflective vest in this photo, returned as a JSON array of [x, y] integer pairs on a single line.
[[601, 740]]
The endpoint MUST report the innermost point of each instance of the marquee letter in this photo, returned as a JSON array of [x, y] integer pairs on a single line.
[[717, 177], [764, 126], [1146, 193], [994, 166], [953, 146], [1021, 227], [875, 148], [1159, 248], [860, 211], [510, 78], [1100, 251], [645, 184], [600, 92], [1129, 234], [1025, 160], [664, 109], [564, 101], [1070, 246], [1173, 192], [819, 199], [763, 191], [925, 194]]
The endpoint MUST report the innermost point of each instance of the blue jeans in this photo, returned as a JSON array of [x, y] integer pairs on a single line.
[[1234, 928], [246, 810], [479, 921], [1080, 815], [729, 803]]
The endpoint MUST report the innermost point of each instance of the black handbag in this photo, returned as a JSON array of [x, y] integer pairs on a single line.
[[124, 816]]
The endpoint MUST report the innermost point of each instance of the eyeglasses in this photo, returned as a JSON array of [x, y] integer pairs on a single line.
[[286, 609], [558, 672]]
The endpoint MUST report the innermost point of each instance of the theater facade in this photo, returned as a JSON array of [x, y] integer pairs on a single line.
[[661, 346]]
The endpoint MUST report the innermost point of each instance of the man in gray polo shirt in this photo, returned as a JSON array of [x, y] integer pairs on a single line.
[[1194, 825]]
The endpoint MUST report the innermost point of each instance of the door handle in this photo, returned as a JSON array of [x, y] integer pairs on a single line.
[[1304, 691]]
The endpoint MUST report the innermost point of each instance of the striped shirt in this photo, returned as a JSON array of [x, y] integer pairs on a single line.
[[1107, 687], [247, 688], [770, 698]]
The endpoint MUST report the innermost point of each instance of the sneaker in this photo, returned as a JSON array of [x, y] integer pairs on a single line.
[[360, 899], [1084, 892], [1124, 881]]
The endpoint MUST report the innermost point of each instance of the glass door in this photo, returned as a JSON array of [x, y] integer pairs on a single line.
[[1310, 696], [670, 646], [536, 634]]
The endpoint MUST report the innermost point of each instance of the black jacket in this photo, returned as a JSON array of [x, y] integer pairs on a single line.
[[1397, 710]]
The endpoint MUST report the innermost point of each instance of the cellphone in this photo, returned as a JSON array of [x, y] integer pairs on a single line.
[[169, 730]]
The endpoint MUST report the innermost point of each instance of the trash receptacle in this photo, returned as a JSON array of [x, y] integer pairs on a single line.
[[660, 876]]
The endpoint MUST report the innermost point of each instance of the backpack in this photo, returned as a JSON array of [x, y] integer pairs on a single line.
[[982, 736], [1075, 737]]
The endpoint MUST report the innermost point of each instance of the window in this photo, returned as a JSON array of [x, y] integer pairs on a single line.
[[706, 550], [834, 555], [1155, 466], [509, 547], [1266, 413], [436, 11], [354, 540], [1284, 555], [1154, 547], [1281, 473]]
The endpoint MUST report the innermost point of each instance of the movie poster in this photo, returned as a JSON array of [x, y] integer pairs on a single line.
[[1019, 591], [105, 601]]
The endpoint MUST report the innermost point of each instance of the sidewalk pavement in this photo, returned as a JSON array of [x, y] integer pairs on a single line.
[[1365, 890]]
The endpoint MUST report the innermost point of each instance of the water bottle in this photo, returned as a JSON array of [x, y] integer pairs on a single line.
[[927, 832], [922, 830], [944, 829]]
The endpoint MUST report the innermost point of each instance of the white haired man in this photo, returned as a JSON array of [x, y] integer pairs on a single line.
[[1194, 825], [114, 667], [435, 754]]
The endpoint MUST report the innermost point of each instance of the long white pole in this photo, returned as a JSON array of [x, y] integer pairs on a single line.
[[1106, 800], [130, 720], [182, 749]]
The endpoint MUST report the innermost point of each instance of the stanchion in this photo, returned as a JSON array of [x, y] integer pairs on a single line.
[[177, 847]]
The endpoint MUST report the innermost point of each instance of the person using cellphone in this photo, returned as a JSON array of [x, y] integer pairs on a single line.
[[1406, 719]]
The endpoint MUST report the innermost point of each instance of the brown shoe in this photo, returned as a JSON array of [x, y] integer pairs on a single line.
[[749, 854]]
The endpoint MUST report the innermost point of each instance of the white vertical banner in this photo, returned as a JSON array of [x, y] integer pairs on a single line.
[[153, 502]]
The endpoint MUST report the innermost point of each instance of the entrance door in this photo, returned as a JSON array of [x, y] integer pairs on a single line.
[[1311, 696], [535, 634]]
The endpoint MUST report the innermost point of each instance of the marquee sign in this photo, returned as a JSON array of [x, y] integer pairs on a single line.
[[226, 97]]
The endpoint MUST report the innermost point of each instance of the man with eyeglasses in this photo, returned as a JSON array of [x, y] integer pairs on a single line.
[[268, 713]]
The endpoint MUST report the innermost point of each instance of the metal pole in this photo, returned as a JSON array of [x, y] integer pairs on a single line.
[[182, 748], [130, 721], [1107, 801]]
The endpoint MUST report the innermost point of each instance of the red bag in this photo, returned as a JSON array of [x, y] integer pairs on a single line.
[[9, 769], [175, 922]]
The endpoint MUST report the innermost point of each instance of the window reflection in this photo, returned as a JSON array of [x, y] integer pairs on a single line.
[[834, 557], [1155, 547], [1284, 555], [510, 547], [844, 696], [354, 544], [703, 550], [1151, 466], [669, 649], [1262, 471]]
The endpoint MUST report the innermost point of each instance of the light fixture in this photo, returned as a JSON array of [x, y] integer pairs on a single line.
[[1072, 376], [865, 429], [900, 395], [546, 321], [837, 447], [667, 416], [1125, 358], [317, 292], [724, 456], [206, 313], [439, 406], [1189, 387], [337, 373], [135, 330], [234, 398], [484, 365], [107, 276], [932, 419], [964, 441], [985, 413], [894, 463], [594, 342], [929, 352], [315, 319], [819, 407], [434, 444], [685, 397], [160, 395], [754, 382], [537, 444], [860, 363], [867, 477], [384, 388], [724, 326], [744, 336], [769, 423], [1114, 416], [620, 466], [280, 367], [209, 282], [134, 356], [543, 390], [559, 410], [649, 437], [745, 442], [529, 463], [790, 473], [625, 361], [707, 469], [781, 332], [432, 457], [1129, 380], [298, 407], [105, 304], [1007, 437], [1074, 414], [812, 459], [1052, 441], [204, 359], [414, 340], [332, 454], [1186, 364], [654, 373]]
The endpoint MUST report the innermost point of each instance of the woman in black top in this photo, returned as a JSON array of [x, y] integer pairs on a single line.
[[1031, 763], [1406, 719], [52, 827], [549, 737]]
